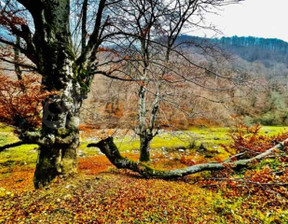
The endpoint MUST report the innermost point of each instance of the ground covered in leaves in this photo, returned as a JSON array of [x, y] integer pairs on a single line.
[[103, 194], [122, 197]]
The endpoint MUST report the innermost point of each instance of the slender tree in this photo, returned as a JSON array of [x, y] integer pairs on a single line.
[[152, 54]]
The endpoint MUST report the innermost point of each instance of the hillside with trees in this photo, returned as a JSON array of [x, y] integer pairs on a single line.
[[260, 96], [252, 49]]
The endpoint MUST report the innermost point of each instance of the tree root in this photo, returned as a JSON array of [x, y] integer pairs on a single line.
[[108, 147]]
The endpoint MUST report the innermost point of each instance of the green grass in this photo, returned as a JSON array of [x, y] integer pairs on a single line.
[[211, 138], [272, 130], [22, 155]]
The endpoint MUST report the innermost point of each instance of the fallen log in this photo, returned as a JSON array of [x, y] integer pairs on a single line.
[[108, 147]]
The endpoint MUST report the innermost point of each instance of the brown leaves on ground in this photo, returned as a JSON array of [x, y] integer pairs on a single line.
[[123, 197], [103, 194], [118, 197], [17, 179]]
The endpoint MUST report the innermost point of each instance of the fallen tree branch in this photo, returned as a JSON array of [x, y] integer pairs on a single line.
[[2, 148], [108, 147]]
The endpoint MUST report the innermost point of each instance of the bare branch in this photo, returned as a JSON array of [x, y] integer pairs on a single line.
[[83, 27], [19, 64]]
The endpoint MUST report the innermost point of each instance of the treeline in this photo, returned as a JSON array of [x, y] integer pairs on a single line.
[[269, 51]]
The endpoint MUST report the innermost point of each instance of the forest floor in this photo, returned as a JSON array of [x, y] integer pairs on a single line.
[[103, 194]]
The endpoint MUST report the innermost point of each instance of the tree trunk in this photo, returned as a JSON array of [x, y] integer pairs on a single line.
[[60, 73], [144, 139], [57, 154], [50, 47], [147, 134], [144, 149], [60, 123], [46, 167], [146, 130], [54, 161], [60, 126]]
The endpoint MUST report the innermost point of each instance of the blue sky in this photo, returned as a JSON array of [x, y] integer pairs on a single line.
[[261, 18]]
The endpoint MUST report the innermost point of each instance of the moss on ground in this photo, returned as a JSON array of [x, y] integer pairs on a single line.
[[211, 138]]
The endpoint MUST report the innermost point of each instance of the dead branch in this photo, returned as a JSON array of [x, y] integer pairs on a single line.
[[108, 147]]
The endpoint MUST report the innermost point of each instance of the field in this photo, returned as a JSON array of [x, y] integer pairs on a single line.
[[103, 194]]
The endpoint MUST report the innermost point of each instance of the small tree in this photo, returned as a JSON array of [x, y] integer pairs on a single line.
[[152, 56]]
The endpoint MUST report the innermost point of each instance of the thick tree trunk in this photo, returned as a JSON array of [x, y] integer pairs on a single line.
[[60, 123], [57, 63], [108, 147], [47, 166], [144, 149], [69, 163], [57, 155], [54, 161], [52, 50]]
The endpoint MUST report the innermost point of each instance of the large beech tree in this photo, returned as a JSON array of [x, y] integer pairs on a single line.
[[64, 41], [47, 42]]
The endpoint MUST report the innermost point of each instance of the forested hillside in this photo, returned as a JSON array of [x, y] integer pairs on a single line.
[[260, 97], [252, 49]]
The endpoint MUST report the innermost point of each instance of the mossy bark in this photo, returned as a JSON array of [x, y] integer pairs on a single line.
[[46, 166], [49, 46], [55, 161], [60, 125], [56, 63]]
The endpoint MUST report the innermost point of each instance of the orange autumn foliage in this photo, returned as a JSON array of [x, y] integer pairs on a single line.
[[8, 18], [248, 139], [93, 165], [21, 101]]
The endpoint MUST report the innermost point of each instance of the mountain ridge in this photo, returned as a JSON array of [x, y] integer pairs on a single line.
[[267, 50]]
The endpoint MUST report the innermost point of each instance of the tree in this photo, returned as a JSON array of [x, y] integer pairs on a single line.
[[152, 56], [64, 48], [174, 18], [47, 42]]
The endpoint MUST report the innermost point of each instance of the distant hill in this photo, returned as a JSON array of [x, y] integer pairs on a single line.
[[268, 51]]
